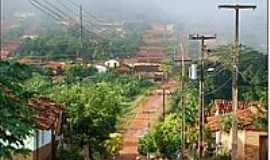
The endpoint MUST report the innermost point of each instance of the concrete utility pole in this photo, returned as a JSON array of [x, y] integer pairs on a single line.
[[202, 38], [81, 28], [0, 30], [235, 55]]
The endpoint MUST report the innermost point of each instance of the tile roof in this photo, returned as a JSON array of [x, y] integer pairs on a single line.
[[225, 106], [247, 112], [48, 113]]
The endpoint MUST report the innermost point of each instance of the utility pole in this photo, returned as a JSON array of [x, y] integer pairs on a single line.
[[0, 30], [163, 103], [81, 28], [202, 38], [182, 100], [235, 55]]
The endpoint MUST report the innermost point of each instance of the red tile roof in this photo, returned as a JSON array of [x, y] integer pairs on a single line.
[[48, 113], [225, 106], [246, 114]]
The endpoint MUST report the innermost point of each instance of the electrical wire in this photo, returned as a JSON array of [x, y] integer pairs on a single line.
[[44, 11], [219, 88]]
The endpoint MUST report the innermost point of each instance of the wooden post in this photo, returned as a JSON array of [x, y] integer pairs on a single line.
[[53, 148]]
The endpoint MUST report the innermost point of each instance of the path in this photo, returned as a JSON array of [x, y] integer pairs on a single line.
[[139, 124]]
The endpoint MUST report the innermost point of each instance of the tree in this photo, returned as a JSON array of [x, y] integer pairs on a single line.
[[91, 114], [164, 139], [114, 144], [16, 118]]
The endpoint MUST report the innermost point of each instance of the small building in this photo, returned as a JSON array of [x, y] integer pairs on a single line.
[[49, 122], [100, 68], [252, 142], [145, 67], [112, 63]]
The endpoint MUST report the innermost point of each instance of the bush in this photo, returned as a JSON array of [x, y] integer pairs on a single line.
[[78, 72], [222, 156], [72, 154], [164, 139]]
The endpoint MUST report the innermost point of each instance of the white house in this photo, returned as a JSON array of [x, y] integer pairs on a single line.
[[100, 68], [112, 63]]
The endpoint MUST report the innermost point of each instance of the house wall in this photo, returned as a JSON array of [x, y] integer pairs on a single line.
[[226, 141], [252, 145], [30, 143], [248, 144]]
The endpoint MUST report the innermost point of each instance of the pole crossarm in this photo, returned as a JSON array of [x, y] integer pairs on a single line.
[[236, 6], [235, 57], [201, 37]]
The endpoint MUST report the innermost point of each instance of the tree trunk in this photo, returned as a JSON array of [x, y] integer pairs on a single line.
[[86, 153]]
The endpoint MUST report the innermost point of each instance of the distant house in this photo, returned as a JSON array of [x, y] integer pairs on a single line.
[[112, 63], [49, 120], [100, 68], [145, 67], [29, 36], [252, 142]]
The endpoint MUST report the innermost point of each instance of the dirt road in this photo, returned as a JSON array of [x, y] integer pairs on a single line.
[[139, 125]]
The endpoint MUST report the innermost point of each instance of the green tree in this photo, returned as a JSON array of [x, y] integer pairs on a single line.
[[165, 139], [91, 114], [16, 118], [114, 144]]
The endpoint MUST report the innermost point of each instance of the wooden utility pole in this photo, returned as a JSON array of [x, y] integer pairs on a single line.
[[36, 157], [163, 102], [182, 99], [235, 55], [202, 38]]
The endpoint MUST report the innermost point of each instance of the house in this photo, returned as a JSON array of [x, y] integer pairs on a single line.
[[49, 122], [112, 63], [252, 141], [100, 68]]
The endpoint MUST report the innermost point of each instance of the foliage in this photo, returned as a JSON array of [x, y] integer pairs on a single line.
[[129, 86], [16, 118], [50, 44], [222, 156], [38, 83], [71, 154], [252, 77], [78, 72], [147, 143], [91, 112], [164, 139], [114, 144], [226, 122], [66, 42], [190, 94]]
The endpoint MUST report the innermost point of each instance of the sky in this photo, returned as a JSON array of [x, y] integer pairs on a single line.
[[196, 16]]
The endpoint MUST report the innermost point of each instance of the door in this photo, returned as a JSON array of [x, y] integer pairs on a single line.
[[263, 148]]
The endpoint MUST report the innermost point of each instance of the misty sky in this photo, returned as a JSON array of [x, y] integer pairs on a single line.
[[193, 15]]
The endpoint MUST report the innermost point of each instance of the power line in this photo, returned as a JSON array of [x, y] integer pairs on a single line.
[[219, 88], [47, 8], [58, 10], [44, 11]]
